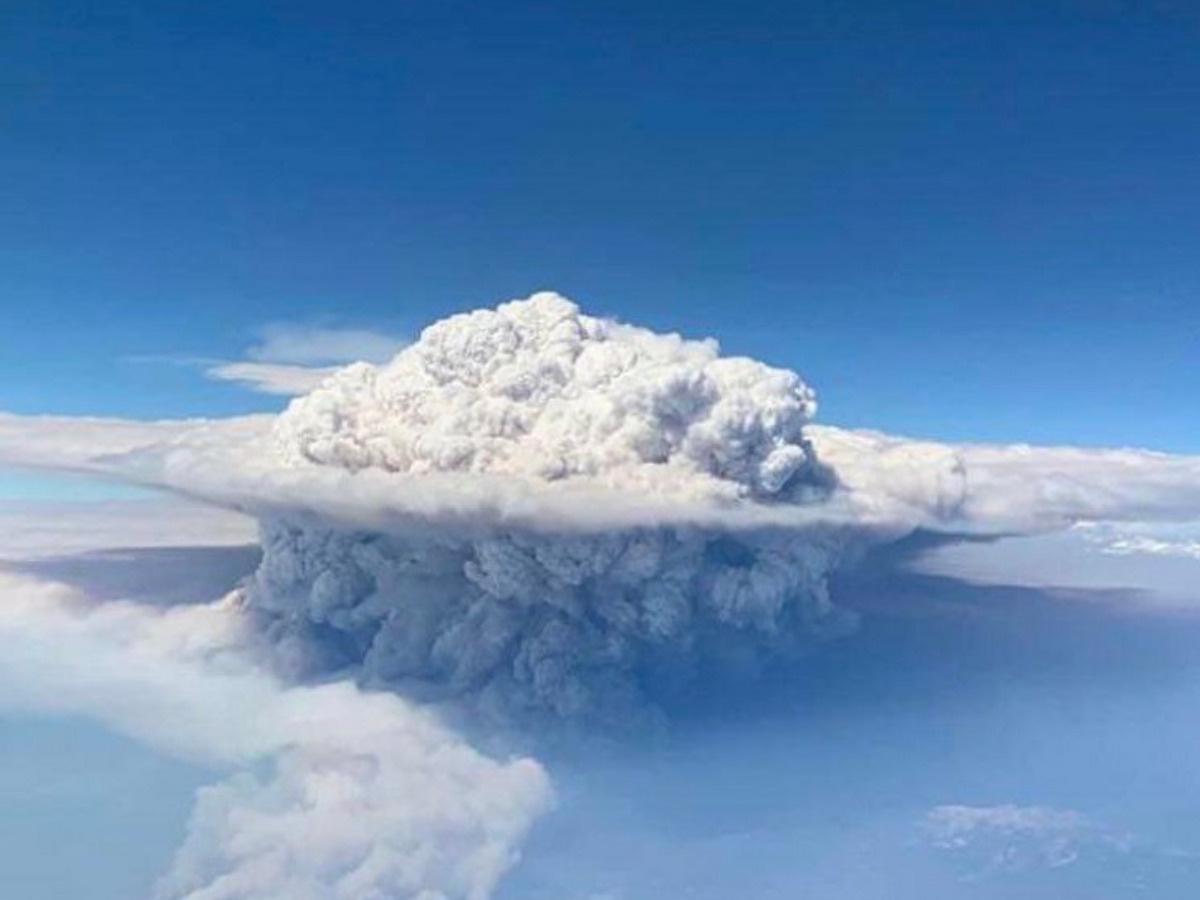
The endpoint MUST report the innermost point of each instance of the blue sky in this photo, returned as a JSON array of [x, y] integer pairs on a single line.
[[92, 796], [958, 222], [961, 221]]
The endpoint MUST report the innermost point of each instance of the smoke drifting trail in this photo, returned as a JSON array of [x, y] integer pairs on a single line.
[[335, 793]]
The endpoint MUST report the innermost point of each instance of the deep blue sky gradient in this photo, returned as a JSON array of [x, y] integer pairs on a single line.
[[970, 221]]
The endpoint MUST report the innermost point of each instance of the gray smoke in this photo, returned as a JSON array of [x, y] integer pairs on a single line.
[[576, 625]]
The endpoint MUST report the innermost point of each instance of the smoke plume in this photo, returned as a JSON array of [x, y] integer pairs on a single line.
[[333, 792]]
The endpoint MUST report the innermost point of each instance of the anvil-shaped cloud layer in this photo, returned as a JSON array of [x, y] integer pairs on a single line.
[[547, 511]]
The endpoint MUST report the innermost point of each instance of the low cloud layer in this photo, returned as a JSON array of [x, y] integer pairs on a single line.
[[1180, 541], [1047, 851], [1009, 838], [334, 793]]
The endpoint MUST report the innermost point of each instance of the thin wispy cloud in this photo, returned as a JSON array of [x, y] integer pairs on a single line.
[[278, 379], [290, 359], [315, 345]]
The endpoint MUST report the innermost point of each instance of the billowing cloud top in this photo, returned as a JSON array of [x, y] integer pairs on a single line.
[[536, 389]]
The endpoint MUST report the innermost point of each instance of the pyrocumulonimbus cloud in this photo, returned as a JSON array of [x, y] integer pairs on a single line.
[[545, 512], [534, 512], [527, 619]]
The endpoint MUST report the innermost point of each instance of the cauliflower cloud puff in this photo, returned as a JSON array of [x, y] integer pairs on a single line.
[[538, 390]]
